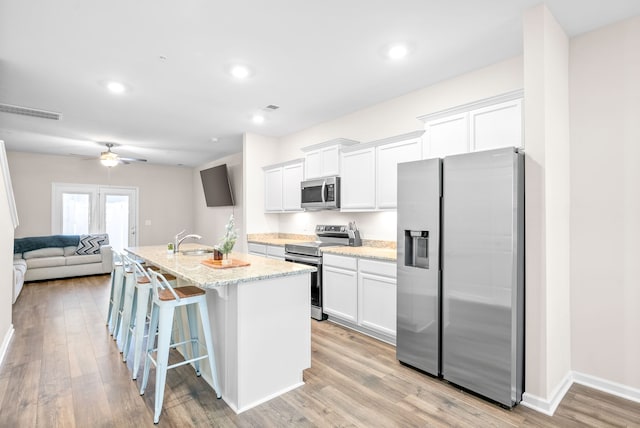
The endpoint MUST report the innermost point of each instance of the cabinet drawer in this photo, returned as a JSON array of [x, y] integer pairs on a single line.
[[275, 251], [378, 268], [254, 248], [343, 262]]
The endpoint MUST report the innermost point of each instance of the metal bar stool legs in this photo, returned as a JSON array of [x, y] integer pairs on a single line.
[[165, 300], [138, 315], [117, 288]]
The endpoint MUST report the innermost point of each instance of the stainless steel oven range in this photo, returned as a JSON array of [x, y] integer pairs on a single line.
[[310, 253]]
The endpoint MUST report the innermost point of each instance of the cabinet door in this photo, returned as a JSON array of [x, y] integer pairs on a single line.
[[313, 164], [330, 161], [273, 189], [377, 296], [446, 136], [388, 158], [359, 180], [496, 126], [340, 293], [292, 175]]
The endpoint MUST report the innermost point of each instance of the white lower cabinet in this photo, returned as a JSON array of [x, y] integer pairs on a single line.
[[377, 295], [275, 252], [340, 287], [257, 249], [270, 251], [361, 294]]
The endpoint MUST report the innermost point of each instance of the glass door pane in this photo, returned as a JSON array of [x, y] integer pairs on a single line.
[[76, 212], [117, 220]]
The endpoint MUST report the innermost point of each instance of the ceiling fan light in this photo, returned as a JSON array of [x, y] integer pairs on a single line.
[[109, 158], [109, 162]]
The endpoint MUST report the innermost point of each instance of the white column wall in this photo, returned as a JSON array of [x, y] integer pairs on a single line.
[[548, 334], [605, 203], [6, 269], [258, 151]]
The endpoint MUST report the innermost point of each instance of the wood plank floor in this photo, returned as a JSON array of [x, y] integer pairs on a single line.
[[63, 369]]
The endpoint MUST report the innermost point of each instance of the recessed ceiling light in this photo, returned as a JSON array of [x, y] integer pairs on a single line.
[[257, 118], [240, 71], [214, 139], [116, 87], [397, 51]]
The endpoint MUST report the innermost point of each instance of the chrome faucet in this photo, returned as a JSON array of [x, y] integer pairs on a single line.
[[178, 240]]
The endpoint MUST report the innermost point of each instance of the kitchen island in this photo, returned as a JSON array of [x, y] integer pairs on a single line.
[[259, 316]]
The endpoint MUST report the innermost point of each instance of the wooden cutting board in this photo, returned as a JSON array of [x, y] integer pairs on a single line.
[[217, 264]]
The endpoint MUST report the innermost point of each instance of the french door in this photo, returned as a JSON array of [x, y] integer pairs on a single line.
[[84, 208]]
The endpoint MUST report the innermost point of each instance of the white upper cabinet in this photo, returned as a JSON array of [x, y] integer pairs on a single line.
[[358, 179], [369, 171], [282, 186], [447, 136], [388, 157], [313, 164], [292, 175], [273, 189], [323, 159], [496, 126], [487, 124]]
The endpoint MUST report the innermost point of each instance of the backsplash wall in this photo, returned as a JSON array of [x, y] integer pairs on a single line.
[[373, 225]]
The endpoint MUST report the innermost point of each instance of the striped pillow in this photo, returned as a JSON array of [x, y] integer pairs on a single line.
[[90, 244]]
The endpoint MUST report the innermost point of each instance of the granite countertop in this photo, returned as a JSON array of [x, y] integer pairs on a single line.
[[378, 250], [279, 239], [190, 268], [377, 253], [279, 242]]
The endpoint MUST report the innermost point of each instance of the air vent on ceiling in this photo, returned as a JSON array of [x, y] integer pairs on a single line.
[[272, 107], [25, 111]]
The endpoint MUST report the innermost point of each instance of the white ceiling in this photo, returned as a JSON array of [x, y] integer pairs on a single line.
[[317, 60]]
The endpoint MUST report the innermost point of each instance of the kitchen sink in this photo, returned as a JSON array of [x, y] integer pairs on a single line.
[[196, 252]]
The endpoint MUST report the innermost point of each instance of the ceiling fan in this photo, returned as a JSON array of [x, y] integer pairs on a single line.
[[110, 158]]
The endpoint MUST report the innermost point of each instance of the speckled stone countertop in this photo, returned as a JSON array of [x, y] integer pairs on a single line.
[[188, 267], [365, 252], [279, 239], [370, 249]]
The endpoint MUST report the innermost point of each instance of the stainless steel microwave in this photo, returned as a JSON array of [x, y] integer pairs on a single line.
[[320, 194]]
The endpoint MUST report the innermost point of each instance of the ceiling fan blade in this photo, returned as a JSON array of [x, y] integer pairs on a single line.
[[131, 159]]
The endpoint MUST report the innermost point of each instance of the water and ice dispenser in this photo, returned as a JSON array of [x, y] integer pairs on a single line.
[[416, 248]]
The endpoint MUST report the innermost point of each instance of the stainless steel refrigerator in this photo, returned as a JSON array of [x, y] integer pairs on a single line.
[[461, 270]]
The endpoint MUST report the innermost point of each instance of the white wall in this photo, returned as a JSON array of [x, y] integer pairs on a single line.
[[386, 119], [210, 221], [165, 193], [6, 267], [258, 151], [605, 203]]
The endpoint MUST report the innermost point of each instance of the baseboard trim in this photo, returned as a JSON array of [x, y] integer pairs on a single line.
[[548, 407], [5, 343], [607, 386]]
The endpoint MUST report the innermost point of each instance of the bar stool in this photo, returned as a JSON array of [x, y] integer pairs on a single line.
[[164, 302], [140, 309], [125, 299], [117, 287]]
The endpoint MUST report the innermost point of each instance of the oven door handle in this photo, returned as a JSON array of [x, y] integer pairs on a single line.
[[302, 259]]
